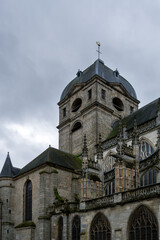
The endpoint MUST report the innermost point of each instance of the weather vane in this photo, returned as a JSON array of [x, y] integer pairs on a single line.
[[98, 44]]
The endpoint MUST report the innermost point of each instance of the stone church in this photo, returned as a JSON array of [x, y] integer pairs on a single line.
[[103, 183]]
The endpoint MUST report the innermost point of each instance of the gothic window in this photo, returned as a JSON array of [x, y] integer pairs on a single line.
[[109, 163], [145, 150], [76, 228], [28, 201], [100, 228], [110, 188], [60, 228], [150, 177], [143, 225]]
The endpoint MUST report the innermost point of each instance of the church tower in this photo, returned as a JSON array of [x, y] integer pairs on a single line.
[[90, 105]]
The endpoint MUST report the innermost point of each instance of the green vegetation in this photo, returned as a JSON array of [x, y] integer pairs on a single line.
[[57, 196], [76, 197]]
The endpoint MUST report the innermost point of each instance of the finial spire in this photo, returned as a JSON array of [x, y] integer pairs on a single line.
[[99, 148], [135, 135], [98, 44], [121, 144], [158, 138], [85, 149]]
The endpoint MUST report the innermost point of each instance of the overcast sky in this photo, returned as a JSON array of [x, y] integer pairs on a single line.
[[44, 43]]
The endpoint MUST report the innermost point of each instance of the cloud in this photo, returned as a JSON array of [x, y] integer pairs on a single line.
[[43, 44]]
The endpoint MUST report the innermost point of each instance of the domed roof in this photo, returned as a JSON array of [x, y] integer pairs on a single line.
[[98, 68]]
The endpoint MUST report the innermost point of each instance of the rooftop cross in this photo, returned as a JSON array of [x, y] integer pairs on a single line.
[[98, 44]]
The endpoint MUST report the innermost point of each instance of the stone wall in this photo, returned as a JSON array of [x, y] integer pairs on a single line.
[[118, 216]]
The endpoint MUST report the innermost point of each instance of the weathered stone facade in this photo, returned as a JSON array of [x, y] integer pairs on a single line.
[[108, 172]]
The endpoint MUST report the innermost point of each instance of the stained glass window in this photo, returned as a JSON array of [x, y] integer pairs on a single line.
[[28, 201], [100, 228], [143, 225], [76, 228]]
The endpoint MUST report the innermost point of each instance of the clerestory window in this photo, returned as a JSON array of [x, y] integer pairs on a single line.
[[145, 150]]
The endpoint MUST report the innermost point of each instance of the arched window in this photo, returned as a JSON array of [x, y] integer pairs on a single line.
[[145, 150], [76, 228], [60, 228], [76, 126], [28, 201], [109, 162], [143, 225], [150, 177], [100, 228], [110, 188]]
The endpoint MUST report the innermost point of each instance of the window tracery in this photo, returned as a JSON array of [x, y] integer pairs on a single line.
[[145, 150], [76, 228], [109, 162], [28, 201], [150, 177], [100, 228], [110, 188], [143, 225]]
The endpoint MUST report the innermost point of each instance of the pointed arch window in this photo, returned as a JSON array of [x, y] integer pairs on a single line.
[[76, 228], [100, 228], [150, 177], [143, 225], [145, 150], [60, 228], [28, 201]]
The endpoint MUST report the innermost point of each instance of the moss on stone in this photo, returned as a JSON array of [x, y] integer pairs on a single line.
[[57, 196], [76, 197], [26, 224]]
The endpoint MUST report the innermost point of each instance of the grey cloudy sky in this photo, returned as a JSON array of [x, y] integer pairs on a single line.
[[44, 43]]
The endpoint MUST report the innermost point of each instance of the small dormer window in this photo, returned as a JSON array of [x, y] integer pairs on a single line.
[[79, 73], [116, 73]]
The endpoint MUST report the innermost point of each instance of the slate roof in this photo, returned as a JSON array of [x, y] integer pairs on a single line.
[[55, 157], [98, 68], [143, 115], [8, 170]]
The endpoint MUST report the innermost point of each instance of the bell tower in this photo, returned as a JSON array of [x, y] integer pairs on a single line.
[[90, 105]]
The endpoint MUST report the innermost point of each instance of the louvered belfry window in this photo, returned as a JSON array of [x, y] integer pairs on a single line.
[[60, 228], [76, 228], [28, 208], [100, 228], [143, 225]]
